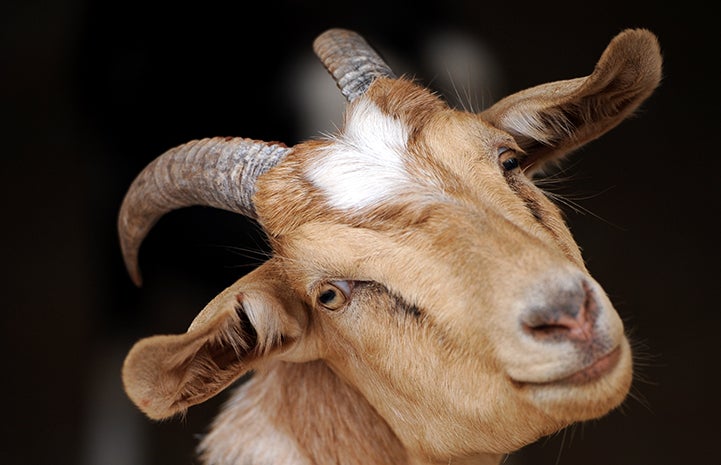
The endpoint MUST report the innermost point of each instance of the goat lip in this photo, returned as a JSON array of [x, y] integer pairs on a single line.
[[599, 368], [596, 370]]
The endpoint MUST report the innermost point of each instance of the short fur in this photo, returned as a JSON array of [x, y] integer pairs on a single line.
[[472, 326]]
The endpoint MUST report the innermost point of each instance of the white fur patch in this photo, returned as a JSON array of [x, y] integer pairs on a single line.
[[365, 166], [244, 434]]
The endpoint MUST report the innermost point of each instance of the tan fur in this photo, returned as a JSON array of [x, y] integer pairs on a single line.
[[286, 395], [432, 359]]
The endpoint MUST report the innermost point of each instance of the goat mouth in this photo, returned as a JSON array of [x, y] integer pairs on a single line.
[[596, 370]]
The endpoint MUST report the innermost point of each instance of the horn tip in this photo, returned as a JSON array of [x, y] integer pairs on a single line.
[[130, 258], [136, 278], [131, 265]]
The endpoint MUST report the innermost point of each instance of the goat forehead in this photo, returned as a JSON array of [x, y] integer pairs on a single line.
[[368, 164]]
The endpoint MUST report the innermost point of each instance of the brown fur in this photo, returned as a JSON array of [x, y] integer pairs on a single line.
[[432, 359]]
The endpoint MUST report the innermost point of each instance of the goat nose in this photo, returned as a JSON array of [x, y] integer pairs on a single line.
[[567, 315]]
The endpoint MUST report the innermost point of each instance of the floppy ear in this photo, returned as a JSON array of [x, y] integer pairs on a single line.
[[550, 120], [251, 321]]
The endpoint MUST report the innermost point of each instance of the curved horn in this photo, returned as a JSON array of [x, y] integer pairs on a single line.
[[220, 172], [350, 60]]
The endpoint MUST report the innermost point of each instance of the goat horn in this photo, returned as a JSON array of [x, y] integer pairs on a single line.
[[350, 60], [219, 172]]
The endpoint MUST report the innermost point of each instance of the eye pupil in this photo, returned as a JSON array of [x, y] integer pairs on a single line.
[[327, 297], [510, 164], [334, 295]]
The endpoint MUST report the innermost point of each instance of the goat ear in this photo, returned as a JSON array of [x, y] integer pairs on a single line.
[[550, 120], [252, 320]]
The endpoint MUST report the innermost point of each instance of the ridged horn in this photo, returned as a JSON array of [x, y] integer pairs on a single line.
[[350, 60], [219, 172]]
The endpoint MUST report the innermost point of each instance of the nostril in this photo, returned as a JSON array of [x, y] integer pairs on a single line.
[[564, 328], [568, 315]]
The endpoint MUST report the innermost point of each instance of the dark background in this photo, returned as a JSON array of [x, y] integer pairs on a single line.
[[90, 92]]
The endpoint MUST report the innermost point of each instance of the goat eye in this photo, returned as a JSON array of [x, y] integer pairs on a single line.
[[510, 164], [508, 158], [333, 295]]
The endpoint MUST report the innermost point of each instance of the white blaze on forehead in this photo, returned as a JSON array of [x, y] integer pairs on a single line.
[[365, 164]]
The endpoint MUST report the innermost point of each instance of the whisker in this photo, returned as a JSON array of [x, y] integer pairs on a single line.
[[455, 90], [252, 257], [570, 201], [560, 447], [250, 254], [468, 91]]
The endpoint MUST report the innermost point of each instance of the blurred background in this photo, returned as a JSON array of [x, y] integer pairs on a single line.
[[92, 91]]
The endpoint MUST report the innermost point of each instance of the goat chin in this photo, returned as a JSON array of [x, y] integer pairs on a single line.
[[587, 394]]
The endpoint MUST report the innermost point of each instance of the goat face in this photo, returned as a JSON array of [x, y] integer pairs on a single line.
[[414, 255]]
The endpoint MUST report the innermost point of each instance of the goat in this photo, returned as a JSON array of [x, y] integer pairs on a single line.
[[424, 303]]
